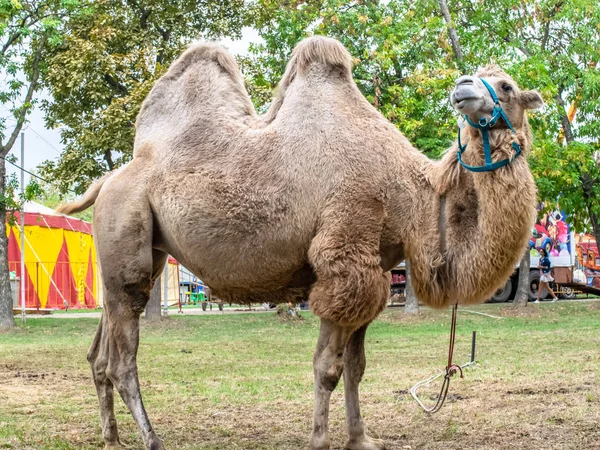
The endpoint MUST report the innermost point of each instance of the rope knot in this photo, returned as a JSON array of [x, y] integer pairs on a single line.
[[453, 369]]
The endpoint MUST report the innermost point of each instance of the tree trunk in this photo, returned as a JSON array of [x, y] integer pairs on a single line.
[[412, 302], [153, 308], [522, 295], [6, 301], [587, 184]]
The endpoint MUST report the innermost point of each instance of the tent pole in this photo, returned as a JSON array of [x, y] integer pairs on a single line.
[[23, 315], [166, 290]]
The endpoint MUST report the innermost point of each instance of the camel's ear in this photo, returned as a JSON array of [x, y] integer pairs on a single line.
[[531, 100]]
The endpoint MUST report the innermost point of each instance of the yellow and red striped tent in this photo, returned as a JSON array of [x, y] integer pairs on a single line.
[[60, 259]]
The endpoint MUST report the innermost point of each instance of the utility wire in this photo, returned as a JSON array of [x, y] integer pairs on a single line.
[[42, 138], [29, 127], [32, 174]]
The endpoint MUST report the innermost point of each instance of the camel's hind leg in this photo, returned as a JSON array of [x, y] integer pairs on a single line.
[[129, 266], [98, 359], [113, 358]]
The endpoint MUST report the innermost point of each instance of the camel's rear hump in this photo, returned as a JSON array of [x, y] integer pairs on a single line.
[[202, 87]]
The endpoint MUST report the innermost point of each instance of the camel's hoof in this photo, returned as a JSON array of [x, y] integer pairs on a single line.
[[115, 446], [365, 443], [156, 444], [320, 443]]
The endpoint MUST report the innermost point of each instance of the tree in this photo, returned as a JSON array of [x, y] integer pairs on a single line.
[[411, 305], [51, 197], [153, 307], [522, 295], [106, 65], [28, 29]]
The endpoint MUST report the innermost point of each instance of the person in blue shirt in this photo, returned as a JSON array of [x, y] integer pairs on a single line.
[[545, 277]]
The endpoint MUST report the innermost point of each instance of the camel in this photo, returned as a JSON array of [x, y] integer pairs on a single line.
[[318, 198]]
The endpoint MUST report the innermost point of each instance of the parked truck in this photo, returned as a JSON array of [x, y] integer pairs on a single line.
[[553, 233]]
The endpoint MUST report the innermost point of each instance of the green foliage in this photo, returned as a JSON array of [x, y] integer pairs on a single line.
[[12, 199], [106, 65], [28, 31]]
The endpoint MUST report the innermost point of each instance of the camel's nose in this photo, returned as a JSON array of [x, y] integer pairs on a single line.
[[465, 81]]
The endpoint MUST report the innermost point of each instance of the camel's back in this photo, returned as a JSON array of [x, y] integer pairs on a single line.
[[230, 189]]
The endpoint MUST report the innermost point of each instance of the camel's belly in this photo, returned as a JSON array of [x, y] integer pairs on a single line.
[[233, 240]]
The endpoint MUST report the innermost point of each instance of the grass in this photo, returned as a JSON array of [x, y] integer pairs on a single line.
[[245, 382]]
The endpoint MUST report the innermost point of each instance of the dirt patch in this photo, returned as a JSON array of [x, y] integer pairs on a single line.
[[399, 316], [529, 311], [594, 306], [550, 390], [288, 314]]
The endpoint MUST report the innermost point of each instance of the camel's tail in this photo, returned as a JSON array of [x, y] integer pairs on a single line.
[[88, 199]]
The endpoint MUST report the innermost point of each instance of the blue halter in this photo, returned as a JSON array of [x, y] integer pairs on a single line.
[[484, 125]]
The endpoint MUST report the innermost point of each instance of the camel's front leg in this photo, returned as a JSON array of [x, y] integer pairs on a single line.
[[354, 368], [328, 364]]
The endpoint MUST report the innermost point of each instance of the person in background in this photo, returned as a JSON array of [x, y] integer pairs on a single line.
[[545, 277]]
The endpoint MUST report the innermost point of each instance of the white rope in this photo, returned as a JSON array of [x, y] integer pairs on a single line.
[[415, 388], [480, 313]]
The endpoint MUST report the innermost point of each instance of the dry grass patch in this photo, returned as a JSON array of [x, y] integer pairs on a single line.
[[245, 382]]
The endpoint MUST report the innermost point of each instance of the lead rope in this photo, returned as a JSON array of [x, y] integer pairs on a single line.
[[451, 370]]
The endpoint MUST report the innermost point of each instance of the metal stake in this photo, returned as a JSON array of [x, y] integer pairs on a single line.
[[23, 315], [166, 290]]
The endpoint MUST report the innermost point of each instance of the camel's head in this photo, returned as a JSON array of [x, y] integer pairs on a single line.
[[473, 99]]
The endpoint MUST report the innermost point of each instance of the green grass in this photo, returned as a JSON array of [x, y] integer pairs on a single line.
[[245, 382]]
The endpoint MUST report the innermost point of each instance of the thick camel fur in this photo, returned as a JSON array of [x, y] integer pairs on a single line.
[[319, 199]]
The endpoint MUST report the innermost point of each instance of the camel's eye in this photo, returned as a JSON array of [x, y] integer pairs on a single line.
[[507, 87]]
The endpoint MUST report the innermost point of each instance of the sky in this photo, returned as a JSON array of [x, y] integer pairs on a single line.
[[43, 144]]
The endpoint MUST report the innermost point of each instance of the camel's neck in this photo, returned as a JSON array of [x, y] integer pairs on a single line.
[[484, 223]]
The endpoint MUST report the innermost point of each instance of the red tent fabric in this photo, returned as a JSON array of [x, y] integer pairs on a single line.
[[63, 276], [90, 301]]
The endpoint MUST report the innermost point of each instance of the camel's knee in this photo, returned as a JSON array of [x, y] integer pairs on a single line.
[[99, 367], [329, 377], [121, 374], [131, 296], [97, 355], [353, 298], [328, 367]]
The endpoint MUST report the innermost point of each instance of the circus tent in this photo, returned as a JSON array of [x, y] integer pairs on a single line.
[[60, 259]]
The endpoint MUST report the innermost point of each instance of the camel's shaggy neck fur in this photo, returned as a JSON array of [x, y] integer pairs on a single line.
[[487, 220]]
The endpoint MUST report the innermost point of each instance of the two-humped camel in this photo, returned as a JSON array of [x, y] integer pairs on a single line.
[[318, 198]]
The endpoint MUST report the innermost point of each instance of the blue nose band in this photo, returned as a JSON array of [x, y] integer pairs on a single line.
[[484, 125]]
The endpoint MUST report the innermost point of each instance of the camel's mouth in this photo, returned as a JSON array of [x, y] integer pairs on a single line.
[[462, 95]]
